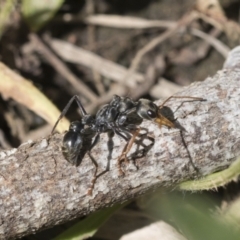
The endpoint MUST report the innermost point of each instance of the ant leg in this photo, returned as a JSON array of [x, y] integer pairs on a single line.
[[96, 176], [90, 189], [126, 149], [95, 141], [127, 140], [120, 134], [110, 149], [64, 111], [163, 121], [189, 154], [194, 99]]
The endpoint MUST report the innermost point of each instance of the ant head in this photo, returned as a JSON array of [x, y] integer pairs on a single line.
[[146, 109], [150, 111]]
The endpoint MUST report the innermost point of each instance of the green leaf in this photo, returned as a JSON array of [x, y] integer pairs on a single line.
[[7, 7], [214, 180], [39, 12], [192, 214], [88, 227]]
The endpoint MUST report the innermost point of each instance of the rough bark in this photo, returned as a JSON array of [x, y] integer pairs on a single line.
[[39, 188]]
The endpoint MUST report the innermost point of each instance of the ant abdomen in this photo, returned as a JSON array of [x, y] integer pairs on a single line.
[[72, 142]]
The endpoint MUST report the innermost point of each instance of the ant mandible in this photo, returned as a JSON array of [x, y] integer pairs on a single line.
[[111, 117]]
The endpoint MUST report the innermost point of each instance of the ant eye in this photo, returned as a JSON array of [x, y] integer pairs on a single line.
[[151, 114]]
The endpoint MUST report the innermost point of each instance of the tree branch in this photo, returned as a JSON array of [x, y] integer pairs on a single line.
[[39, 188]]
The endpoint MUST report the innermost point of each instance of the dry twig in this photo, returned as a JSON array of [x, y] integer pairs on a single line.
[[218, 45], [62, 68], [116, 21], [86, 58], [186, 20]]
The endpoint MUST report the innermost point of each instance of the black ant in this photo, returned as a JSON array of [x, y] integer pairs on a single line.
[[111, 117]]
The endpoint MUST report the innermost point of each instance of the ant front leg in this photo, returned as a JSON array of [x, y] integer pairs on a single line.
[[126, 149]]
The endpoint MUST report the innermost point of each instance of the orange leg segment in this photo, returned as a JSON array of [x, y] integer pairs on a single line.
[[126, 149], [163, 121]]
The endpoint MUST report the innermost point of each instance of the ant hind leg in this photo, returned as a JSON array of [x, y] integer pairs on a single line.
[[65, 110], [94, 179]]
